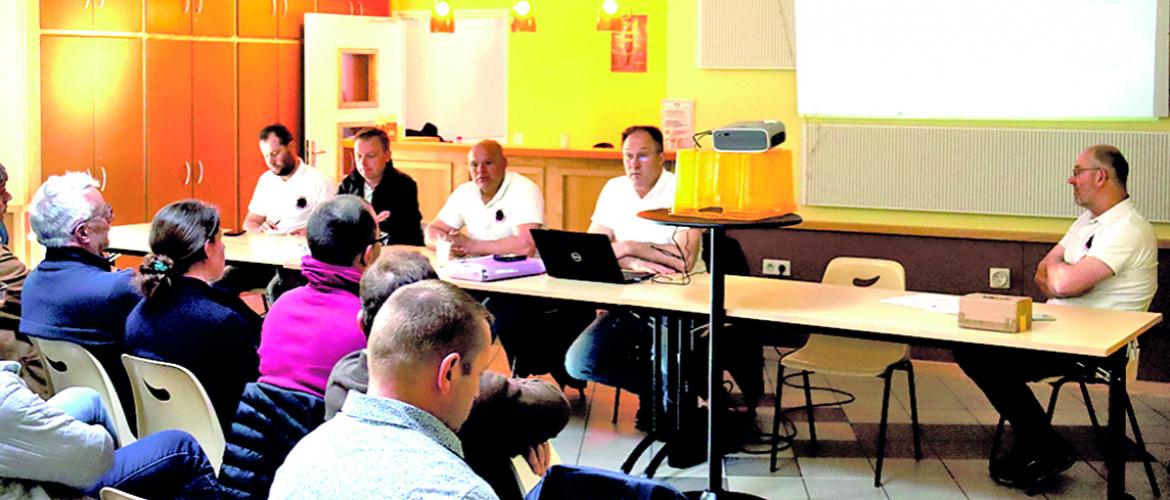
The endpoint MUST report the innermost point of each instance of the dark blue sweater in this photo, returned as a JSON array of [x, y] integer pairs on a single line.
[[211, 333]]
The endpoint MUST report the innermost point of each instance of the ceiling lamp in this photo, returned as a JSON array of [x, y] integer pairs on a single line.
[[442, 19], [608, 18], [522, 17]]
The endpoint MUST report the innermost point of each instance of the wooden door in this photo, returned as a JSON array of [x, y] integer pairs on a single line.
[[257, 18], [118, 15], [292, 18], [214, 17], [335, 7], [169, 16], [257, 70], [289, 90], [214, 135], [66, 105], [118, 126], [375, 8], [67, 14], [170, 170]]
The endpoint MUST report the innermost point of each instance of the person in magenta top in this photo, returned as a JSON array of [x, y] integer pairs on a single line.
[[313, 326]]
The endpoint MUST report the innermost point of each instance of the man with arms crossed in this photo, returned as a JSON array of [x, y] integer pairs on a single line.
[[1108, 259]]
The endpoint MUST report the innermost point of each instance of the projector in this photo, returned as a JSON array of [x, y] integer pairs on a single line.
[[749, 137]]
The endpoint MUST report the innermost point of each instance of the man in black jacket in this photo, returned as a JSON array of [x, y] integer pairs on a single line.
[[393, 194]]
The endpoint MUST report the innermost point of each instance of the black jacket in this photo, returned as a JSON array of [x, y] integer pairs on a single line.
[[268, 423], [398, 194]]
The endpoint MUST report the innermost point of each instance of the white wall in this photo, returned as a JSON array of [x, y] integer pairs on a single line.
[[14, 95]]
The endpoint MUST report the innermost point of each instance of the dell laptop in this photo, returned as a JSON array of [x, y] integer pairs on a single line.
[[582, 256]]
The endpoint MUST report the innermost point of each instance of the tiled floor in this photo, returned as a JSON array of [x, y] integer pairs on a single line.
[[958, 424]]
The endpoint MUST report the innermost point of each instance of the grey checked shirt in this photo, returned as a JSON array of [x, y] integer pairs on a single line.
[[379, 448]]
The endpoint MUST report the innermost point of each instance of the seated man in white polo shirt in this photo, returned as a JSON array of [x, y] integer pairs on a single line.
[[613, 349], [288, 191], [494, 214], [1108, 259], [499, 209]]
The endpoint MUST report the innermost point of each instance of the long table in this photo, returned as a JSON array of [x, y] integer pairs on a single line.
[[830, 309]]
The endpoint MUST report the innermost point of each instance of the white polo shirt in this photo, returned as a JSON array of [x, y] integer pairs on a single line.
[[288, 203], [517, 202], [618, 206], [1124, 241]]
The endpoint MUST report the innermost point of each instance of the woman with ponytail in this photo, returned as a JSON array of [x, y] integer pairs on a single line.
[[182, 319]]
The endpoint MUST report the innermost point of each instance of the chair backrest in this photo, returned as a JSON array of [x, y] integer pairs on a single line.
[[168, 396], [575, 481], [109, 493], [70, 365], [524, 474], [877, 273]]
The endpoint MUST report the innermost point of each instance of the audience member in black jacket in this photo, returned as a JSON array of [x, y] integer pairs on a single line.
[[182, 319], [395, 194]]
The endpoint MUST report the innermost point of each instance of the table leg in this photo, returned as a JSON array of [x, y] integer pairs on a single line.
[[1115, 453]]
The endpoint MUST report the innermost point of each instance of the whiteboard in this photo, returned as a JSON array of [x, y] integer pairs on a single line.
[[986, 59], [458, 81]]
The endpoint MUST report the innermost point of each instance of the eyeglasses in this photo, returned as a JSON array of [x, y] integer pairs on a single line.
[[383, 238], [1078, 170], [106, 211]]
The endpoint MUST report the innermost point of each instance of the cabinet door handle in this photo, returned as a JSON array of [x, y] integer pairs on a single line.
[[199, 10], [200, 181], [86, 6], [285, 9], [273, 8], [187, 180], [101, 4], [350, 3], [104, 178]]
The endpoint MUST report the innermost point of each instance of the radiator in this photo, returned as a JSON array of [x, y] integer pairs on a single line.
[[746, 34], [971, 170]]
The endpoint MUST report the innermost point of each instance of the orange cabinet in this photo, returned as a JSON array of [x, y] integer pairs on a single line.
[[186, 17], [99, 15], [379, 8], [190, 134], [269, 92], [376, 8], [273, 18], [91, 116]]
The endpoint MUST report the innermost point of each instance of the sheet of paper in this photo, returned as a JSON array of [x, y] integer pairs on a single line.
[[947, 304]]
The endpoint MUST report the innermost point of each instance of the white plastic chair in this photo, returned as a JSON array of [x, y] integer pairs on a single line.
[[109, 493], [853, 357], [524, 474], [70, 365], [168, 396]]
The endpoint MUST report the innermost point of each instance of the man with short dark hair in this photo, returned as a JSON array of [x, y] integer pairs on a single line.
[[511, 416], [392, 192], [429, 345], [311, 327], [1108, 259], [288, 191]]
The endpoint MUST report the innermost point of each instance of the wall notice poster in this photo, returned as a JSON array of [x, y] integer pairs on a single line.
[[627, 51], [678, 124]]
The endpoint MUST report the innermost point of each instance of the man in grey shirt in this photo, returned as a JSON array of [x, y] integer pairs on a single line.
[[429, 346]]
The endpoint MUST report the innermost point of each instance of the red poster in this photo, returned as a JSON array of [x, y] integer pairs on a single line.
[[627, 53]]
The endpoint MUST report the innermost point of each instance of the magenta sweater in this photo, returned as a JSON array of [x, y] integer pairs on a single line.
[[310, 328]]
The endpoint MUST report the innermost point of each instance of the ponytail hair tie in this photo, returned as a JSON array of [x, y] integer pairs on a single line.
[[160, 267]]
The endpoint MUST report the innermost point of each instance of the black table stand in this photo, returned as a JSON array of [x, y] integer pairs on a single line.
[[718, 314]]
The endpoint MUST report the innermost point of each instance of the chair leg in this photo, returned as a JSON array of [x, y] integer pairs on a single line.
[[995, 442], [1147, 460], [914, 411], [881, 444], [776, 415], [1052, 399], [1093, 416], [617, 402], [808, 406]]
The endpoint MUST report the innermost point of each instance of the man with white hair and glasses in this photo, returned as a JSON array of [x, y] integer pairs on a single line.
[[73, 295]]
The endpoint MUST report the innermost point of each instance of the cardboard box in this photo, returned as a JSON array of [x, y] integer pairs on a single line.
[[1000, 313]]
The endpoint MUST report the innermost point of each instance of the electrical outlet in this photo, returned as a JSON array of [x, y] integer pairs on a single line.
[[777, 267], [999, 277]]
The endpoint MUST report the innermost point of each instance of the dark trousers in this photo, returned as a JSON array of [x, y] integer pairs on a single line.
[[1003, 376], [536, 332], [167, 464]]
